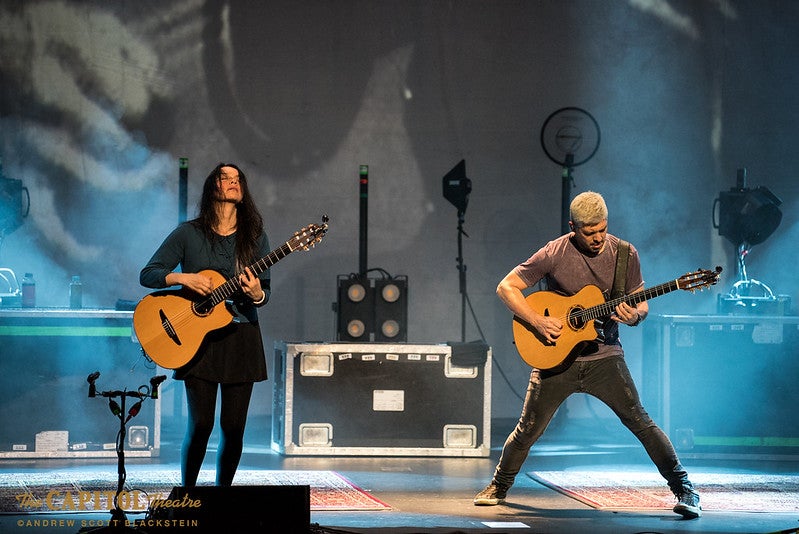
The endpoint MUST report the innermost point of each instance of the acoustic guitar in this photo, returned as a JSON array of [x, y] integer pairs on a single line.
[[171, 324], [578, 314]]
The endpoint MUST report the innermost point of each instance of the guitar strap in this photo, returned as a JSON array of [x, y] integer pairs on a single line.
[[620, 278]]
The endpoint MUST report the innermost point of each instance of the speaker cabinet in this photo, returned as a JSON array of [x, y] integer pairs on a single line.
[[724, 383], [214, 509]]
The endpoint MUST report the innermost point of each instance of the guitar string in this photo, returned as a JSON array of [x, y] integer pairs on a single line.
[[606, 308], [184, 317], [224, 290]]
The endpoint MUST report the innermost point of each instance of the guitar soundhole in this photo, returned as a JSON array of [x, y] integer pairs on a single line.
[[202, 308], [576, 321]]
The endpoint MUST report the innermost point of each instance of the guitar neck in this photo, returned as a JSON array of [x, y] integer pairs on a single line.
[[232, 285], [606, 308]]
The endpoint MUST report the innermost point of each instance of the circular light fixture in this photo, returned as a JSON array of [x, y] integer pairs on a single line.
[[356, 292], [390, 328], [390, 293], [356, 328]]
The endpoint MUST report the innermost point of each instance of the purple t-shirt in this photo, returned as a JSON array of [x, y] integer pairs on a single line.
[[566, 270]]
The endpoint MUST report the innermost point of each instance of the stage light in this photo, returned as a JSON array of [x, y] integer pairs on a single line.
[[372, 310], [747, 216], [11, 204], [356, 328], [390, 293], [391, 309], [457, 187], [138, 437], [390, 328], [355, 308], [356, 292]]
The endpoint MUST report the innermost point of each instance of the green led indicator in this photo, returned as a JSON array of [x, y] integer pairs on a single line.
[[364, 169]]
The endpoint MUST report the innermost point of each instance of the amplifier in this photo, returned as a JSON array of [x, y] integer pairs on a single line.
[[722, 383], [374, 399]]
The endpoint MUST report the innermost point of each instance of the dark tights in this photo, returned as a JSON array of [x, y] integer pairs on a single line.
[[201, 399]]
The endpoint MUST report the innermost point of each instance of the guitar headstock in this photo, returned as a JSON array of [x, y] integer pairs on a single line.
[[309, 236], [699, 279]]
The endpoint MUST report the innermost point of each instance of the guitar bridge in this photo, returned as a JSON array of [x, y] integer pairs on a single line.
[[168, 328]]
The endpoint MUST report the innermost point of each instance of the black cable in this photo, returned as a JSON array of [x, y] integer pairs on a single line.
[[495, 362]]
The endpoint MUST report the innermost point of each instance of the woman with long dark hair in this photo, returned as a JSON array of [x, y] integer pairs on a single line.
[[227, 236]]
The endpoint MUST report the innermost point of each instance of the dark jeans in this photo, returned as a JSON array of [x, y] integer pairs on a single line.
[[201, 398], [608, 380]]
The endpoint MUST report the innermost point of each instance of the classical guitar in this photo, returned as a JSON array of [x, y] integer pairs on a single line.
[[171, 324], [578, 313]]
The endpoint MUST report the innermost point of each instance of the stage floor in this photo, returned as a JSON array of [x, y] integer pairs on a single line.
[[434, 495]]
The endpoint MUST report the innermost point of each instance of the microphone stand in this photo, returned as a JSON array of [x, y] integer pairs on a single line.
[[119, 520]]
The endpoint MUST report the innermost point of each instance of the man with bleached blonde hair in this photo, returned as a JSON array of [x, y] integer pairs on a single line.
[[588, 208], [585, 256]]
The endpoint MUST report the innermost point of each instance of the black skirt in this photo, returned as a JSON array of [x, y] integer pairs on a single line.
[[232, 354]]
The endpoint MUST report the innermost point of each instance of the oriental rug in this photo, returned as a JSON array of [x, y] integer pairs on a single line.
[[92, 491], [633, 490]]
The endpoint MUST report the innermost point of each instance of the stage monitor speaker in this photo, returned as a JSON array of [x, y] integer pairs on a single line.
[[214, 509]]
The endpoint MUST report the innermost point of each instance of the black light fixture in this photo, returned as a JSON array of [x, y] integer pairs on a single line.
[[355, 308], [457, 187], [372, 309], [11, 218], [391, 309], [747, 216]]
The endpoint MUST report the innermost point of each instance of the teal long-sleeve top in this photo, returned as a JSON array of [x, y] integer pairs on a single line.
[[188, 248]]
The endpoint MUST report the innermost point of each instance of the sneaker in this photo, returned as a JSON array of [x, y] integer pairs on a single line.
[[492, 495], [688, 504]]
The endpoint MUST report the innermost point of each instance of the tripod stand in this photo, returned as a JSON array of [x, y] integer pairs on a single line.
[[462, 277], [462, 281], [119, 521], [456, 188]]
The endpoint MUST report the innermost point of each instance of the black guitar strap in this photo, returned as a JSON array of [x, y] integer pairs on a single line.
[[620, 278]]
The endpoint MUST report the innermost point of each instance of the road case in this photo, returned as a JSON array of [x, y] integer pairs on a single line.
[[375, 399], [45, 410], [724, 384]]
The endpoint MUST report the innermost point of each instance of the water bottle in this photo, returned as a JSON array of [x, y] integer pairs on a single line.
[[75, 293], [28, 291]]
